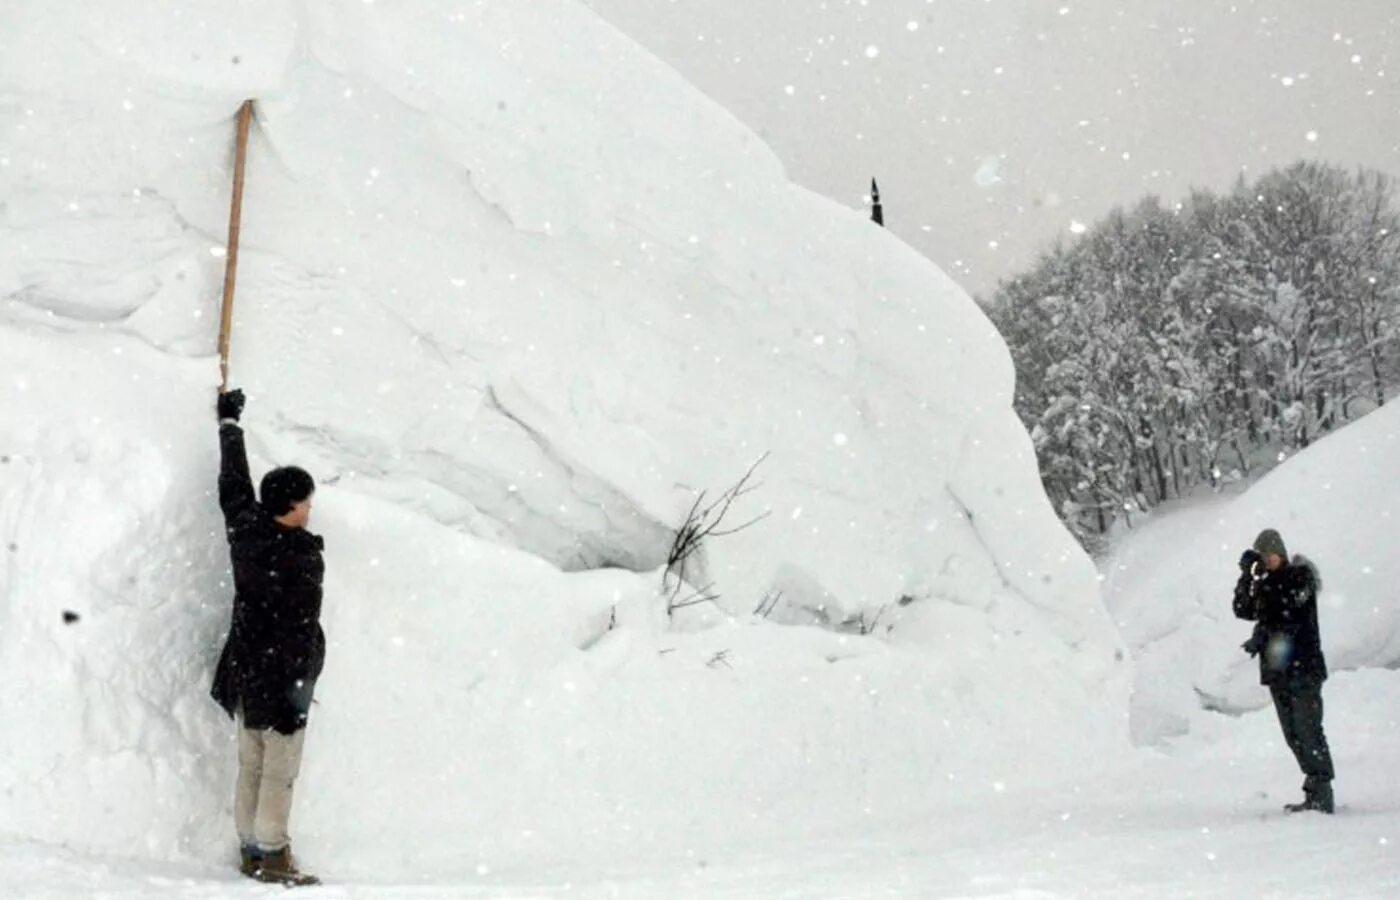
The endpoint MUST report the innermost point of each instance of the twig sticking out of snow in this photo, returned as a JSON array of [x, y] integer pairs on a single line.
[[704, 521]]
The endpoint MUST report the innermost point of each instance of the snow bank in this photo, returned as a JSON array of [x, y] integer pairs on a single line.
[[1170, 582], [515, 293]]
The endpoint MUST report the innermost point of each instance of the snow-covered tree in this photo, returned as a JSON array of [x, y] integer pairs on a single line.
[[1175, 346]]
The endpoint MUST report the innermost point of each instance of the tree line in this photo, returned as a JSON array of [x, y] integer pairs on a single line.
[[1172, 347]]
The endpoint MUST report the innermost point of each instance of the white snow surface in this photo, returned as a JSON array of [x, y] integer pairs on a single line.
[[1169, 583], [1204, 822], [514, 293]]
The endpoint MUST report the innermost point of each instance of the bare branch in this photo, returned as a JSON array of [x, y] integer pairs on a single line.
[[720, 659], [703, 521], [705, 594], [768, 603], [738, 528]]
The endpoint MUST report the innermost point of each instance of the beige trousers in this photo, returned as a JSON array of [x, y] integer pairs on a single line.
[[268, 763]]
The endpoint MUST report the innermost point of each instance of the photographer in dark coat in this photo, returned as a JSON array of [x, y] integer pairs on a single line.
[[275, 649], [1281, 598]]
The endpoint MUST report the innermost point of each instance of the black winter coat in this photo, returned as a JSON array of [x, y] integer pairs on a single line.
[[275, 648], [1284, 604]]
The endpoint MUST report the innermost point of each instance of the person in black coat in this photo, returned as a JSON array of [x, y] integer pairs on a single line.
[[275, 649], [1281, 598]]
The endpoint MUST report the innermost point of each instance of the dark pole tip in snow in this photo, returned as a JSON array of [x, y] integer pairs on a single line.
[[877, 212], [69, 617]]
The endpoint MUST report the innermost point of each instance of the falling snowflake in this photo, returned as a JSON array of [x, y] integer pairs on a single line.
[[988, 172]]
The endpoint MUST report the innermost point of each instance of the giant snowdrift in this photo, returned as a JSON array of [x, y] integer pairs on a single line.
[[515, 293]]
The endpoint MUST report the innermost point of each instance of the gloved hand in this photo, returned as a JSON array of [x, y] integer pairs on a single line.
[[1255, 645], [1248, 559], [231, 404]]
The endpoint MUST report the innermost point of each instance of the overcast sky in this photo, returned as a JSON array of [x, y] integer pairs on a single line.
[[996, 125]]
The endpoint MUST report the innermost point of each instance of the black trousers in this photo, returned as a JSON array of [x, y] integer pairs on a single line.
[[1299, 707]]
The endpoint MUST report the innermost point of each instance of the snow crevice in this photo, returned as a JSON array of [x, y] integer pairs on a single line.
[[630, 538]]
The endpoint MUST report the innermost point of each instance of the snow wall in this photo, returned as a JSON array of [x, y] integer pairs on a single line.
[[515, 293]]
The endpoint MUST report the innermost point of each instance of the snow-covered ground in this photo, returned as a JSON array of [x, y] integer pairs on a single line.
[[1203, 821]]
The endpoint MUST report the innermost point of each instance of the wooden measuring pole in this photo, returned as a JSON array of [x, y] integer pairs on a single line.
[[235, 218]]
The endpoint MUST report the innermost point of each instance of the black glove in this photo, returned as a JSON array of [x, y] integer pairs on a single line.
[[231, 404], [1255, 645], [1248, 559]]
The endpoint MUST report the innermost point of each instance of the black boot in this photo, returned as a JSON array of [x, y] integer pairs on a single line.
[[1317, 797]]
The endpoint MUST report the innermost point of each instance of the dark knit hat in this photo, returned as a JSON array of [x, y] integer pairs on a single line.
[[1270, 541], [284, 488]]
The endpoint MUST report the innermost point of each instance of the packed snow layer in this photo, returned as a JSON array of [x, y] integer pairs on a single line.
[[1169, 584], [515, 294], [1203, 822]]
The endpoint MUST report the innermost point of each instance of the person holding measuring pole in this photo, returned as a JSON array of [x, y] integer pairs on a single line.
[[275, 649]]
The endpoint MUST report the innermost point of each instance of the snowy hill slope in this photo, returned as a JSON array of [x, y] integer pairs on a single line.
[[1169, 583], [514, 293]]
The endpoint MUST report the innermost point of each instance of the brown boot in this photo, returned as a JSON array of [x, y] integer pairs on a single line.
[[280, 867], [248, 859]]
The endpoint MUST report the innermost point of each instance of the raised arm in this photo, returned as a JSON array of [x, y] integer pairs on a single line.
[[235, 484], [1246, 602], [1246, 606]]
